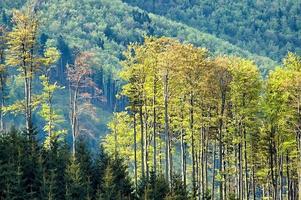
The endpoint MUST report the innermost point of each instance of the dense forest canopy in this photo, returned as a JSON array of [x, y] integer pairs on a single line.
[[104, 100], [267, 28]]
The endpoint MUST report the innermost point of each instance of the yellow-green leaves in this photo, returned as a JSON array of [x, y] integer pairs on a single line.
[[51, 56], [22, 42], [49, 113]]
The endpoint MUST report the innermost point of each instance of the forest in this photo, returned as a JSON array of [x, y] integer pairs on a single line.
[[102, 100]]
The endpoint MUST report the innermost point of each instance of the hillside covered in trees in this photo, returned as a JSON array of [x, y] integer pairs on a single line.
[[267, 28], [104, 100]]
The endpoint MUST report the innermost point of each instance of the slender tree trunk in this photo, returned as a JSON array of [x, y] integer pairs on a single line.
[[192, 146], [253, 182], [27, 104], [206, 164], [288, 176], [273, 164], [135, 152], [299, 168], [299, 159], [246, 165], [213, 172], [73, 118], [142, 141], [203, 162], [146, 142], [2, 102], [183, 152], [236, 172], [221, 124], [154, 127], [166, 130], [281, 177], [240, 171], [298, 137], [224, 174]]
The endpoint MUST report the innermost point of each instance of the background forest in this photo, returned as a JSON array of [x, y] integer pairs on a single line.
[[150, 99]]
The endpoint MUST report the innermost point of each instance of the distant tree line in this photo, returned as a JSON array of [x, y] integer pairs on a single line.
[[267, 28]]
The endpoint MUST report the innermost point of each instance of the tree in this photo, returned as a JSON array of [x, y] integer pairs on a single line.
[[3, 72], [22, 53], [47, 112], [292, 63], [81, 86], [75, 186]]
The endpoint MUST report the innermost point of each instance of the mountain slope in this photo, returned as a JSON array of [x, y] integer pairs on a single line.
[[114, 24], [106, 27], [268, 28]]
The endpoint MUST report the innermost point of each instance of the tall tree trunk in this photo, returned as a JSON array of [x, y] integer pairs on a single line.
[[281, 177], [298, 137], [183, 152], [192, 147], [154, 127], [142, 141], [213, 172], [246, 165], [203, 162], [2, 102], [198, 170], [73, 116], [288, 176], [240, 182], [224, 174], [27, 93], [166, 130], [135, 152], [206, 164], [221, 124], [253, 181], [273, 164], [146, 142]]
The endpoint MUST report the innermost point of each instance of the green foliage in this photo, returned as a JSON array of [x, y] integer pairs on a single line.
[[154, 188], [28, 170], [116, 183], [265, 28]]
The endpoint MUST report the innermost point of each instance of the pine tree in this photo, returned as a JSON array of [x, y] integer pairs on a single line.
[[75, 185]]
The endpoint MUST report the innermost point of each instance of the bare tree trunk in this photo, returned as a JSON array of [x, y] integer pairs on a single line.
[[142, 141], [213, 172], [154, 128], [206, 164], [166, 130], [135, 152], [198, 170], [203, 162], [281, 177], [246, 165], [73, 116], [183, 152], [221, 124], [299, 163], [2, 102], [27, 104], [240, 182], [192, 147], [273, 164], [253, 182], [224, 174], [288, 177], [146, 142], [299, 169]]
